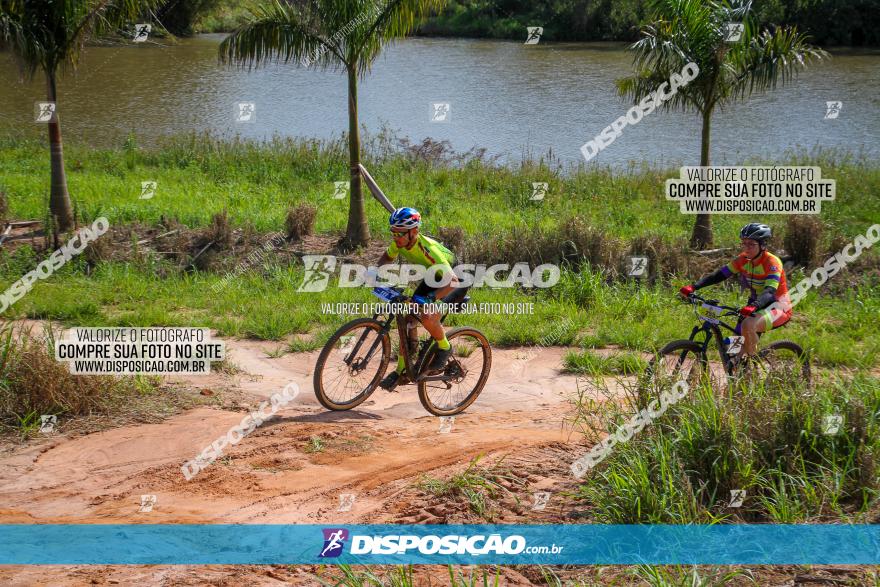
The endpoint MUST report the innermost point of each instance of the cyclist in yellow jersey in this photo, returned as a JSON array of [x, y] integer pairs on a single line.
[[419, 249]]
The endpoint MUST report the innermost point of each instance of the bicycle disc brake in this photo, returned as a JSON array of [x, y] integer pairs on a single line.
[[357, 365], [453, 373]]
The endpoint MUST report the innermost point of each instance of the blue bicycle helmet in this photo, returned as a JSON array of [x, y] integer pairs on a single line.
[[405, 218]]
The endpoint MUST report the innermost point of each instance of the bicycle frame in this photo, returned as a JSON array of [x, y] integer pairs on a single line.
[[711, 328], [401, 320]]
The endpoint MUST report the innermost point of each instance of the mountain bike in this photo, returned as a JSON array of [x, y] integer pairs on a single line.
[[780, 362], [355, 358]]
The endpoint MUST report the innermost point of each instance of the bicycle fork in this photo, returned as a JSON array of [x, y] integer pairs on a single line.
[[363, 337], [704, 344], [715, 333]]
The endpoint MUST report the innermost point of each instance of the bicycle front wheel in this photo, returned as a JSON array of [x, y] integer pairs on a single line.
[[464, 376], [680, 360], [351, 364]]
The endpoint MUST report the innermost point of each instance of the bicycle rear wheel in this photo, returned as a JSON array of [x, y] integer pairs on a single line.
[[351, 364], [780, 364], [466, 373]]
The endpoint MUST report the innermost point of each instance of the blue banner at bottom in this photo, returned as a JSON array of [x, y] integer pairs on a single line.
[[53, 544]]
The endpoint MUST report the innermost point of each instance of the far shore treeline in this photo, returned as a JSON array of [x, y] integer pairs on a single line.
[[828, 22]]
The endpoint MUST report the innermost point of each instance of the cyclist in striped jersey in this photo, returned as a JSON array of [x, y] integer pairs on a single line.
[[761, 273]]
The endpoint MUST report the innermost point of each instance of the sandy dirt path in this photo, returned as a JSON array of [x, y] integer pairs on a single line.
[[377, 452]]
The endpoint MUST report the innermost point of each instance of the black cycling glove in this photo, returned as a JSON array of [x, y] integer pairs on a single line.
[[711, 279]]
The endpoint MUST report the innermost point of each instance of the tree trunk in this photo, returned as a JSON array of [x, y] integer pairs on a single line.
[[701, 237], [59, 199], [357, 233]]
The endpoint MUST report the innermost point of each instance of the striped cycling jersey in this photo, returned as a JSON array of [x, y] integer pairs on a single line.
[[426, 252], [757, 275]]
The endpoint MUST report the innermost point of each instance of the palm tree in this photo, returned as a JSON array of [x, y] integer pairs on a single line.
[[684, 31], [45, 35], [336, 34]]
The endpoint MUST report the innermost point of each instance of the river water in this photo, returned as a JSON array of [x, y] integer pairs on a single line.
[[504, 96]]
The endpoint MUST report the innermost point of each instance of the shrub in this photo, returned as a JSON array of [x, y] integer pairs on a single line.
[[33, 383], [300, 221], [772, 441], [803, 235]]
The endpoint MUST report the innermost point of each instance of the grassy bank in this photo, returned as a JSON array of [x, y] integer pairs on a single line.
[[591, 217], [264, 304], [199, 176], [799, 455]]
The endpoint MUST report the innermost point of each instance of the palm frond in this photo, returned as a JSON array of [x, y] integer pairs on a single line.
[[45, 34], [393, 19], [683, 31], [770, 58], [330, 33], [279, 32]]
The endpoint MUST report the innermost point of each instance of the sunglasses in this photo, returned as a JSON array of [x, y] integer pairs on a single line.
[[396, 234]]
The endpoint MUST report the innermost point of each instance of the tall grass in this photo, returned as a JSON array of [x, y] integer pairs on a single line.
[[34, 384], [201, 175], [477, 485], [777, 444]]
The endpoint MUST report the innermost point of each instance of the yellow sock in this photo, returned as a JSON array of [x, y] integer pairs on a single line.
[[443, 344]]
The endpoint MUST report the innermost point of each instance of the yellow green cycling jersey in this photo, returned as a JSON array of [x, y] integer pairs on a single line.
[[424, 251]]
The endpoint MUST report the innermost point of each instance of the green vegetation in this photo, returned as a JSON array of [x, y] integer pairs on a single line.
[[828, 22], [493, 576], [839, 331], [405, 576], [477, 485], [34, 384], [319, 443], [224, 16], [800, 456], [46, 36], [200, 176], [315, 444], [178, 17], [591, 363]]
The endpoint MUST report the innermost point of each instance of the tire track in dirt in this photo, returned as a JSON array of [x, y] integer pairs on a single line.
[[377, 451]]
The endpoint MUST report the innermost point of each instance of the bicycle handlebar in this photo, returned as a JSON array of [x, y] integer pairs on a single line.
[[401, 297], [694, 298]]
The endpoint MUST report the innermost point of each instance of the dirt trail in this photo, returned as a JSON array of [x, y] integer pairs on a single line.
[[279, 474], [376, 452]]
